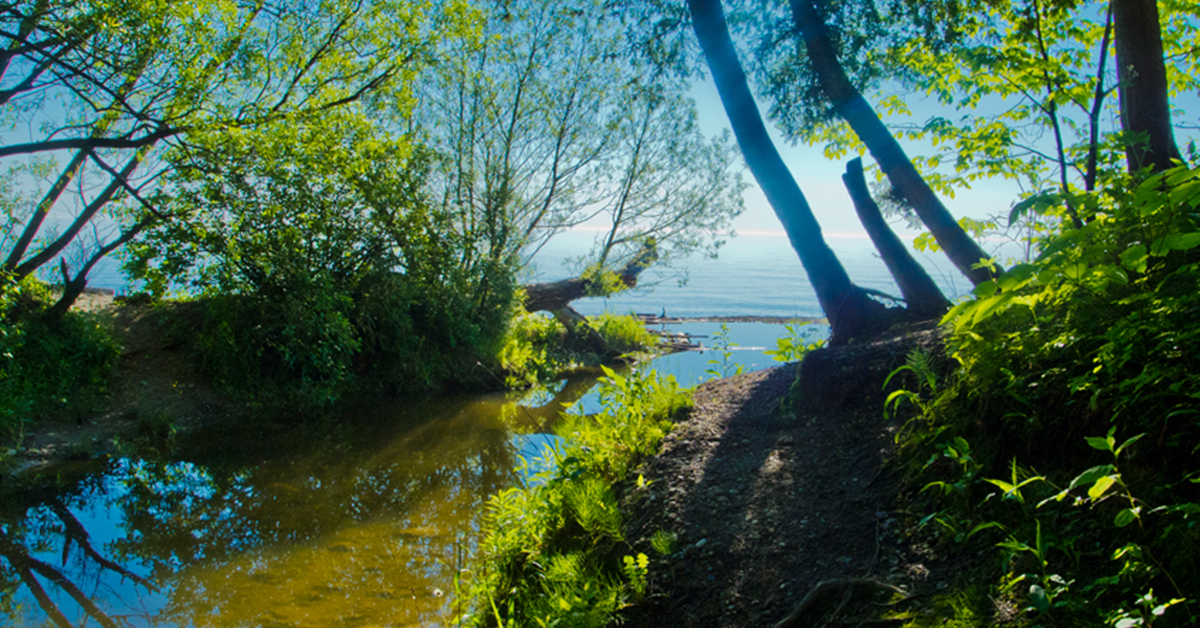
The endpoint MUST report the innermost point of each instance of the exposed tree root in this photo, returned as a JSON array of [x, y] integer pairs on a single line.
[[829, 597]]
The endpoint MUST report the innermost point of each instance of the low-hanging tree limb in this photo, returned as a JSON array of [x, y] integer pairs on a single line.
[[557, 295], [54, 248]]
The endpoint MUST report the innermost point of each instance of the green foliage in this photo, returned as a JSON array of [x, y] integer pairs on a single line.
[[723, 366], [323, 267], [796, 344], [549, 121], [552, 552], [116, 94], [48, 367], [533, 350], [623, 332], [1081, 363]]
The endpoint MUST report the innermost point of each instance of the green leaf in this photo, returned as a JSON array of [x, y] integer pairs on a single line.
[[1039, 203], [1004, 486], [1125, 517], [1103, 444], [985, 289], [1130, 441], [1038, 597], [1101, 486], [1017, 277], [1175, 242], [1091, 475]]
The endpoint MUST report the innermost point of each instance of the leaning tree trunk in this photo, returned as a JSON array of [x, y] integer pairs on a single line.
[[849, 103], [849, 310], [1145, 107], [556, 297], [921, 295]]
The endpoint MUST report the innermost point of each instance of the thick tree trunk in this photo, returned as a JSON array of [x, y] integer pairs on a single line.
[[850, 312], [962, 250], [556, 295], [1145, 107], [920, 293]]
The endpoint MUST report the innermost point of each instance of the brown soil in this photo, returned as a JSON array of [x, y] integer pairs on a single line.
[[154, 394], [769, 494]]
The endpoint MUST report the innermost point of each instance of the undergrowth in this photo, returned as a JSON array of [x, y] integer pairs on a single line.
[[535, 348], [49, 367], [1063, 442], [552, 552]]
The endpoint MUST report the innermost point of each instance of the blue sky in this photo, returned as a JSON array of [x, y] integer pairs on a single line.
[[821, 180]]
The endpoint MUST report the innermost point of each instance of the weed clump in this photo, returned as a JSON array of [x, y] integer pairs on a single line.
[[49, 366], [552, 551]]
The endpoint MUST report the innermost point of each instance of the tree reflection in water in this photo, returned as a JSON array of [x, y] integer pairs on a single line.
[[363, 521]]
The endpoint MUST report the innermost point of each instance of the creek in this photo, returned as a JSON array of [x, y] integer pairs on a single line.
[[366, 520]]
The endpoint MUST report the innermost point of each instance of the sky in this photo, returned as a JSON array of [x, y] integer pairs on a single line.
[[821, 180]]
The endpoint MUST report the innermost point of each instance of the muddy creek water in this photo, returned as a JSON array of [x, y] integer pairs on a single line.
[[364, 521]]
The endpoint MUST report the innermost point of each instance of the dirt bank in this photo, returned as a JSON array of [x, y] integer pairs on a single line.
[[768, 493], [155, 393]]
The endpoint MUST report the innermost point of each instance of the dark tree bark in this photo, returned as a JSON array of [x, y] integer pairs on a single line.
[[115, 185], [74, 286], [850, 312], [43, 209], [1145, 105], [849, 103], [921, 295]]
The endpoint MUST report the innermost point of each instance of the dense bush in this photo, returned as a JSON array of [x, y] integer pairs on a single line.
[[1067, 434], [535, 348], [48, 366], [323, 268]]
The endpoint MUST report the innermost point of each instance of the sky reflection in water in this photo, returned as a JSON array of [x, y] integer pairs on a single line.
[[361, 522]]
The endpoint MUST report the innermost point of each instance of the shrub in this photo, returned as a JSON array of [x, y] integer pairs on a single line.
[[533, 350], [1067, 435], [323, 267], [623, 332], [48, 366]]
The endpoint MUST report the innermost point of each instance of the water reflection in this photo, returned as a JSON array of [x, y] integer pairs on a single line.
[[365, 522]]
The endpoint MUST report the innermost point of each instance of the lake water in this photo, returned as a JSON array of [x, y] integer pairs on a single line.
[[754, 275], [365, 521]]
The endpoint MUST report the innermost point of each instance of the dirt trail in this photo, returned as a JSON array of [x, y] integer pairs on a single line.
[[770, 494]]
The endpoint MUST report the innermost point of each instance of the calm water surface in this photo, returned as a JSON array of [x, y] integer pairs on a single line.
[[356, 524], [362, 522]]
